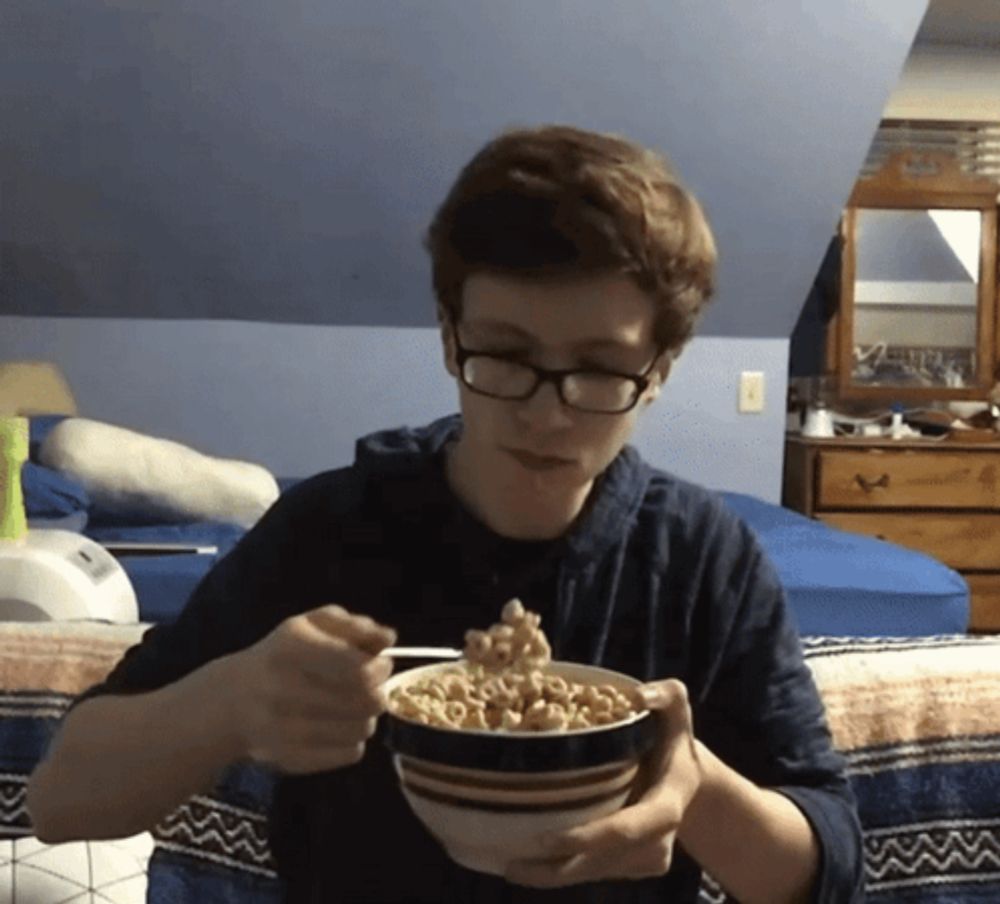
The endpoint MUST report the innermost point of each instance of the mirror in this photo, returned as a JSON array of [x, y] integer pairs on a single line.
[[916, 300], [917, 309]]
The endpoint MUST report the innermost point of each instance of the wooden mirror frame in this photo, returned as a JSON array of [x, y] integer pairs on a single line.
[[912, 180]]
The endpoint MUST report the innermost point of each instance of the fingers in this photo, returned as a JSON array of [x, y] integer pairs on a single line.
[[334, 662], [653, 858], [631, 843], [359, 631], [333, 733], [314, 690], [306, 761], [324, 644], [652, 817], [669, 696], [669, 702], [638, 840], [302, 733], [319, 705], [329, 668], [551, 873]]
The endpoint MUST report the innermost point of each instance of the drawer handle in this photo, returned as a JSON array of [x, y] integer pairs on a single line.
[[869, 485]]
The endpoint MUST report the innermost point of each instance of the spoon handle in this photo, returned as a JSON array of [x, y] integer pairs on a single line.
[[422, 652]]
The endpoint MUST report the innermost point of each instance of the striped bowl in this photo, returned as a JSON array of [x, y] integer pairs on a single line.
[[487, 795]]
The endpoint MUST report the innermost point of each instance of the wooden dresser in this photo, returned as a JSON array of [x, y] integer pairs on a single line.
[[940, 497]]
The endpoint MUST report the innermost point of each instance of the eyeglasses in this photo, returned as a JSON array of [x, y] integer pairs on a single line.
[[593, 391]]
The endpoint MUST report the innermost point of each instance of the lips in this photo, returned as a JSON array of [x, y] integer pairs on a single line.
[[538, 462]]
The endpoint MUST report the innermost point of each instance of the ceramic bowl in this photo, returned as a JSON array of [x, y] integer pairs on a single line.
[[487, 795]]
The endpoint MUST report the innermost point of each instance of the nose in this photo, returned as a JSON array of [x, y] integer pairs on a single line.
[[544, 410]]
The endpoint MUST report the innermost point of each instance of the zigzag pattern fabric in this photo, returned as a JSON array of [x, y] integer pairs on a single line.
[[214, 848], [942, 852], [918, 721], [14, 821], [221, 833]]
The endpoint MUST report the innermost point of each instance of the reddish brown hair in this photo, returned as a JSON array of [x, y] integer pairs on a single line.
[[556, 200]]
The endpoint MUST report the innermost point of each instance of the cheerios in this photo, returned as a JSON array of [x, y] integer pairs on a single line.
[[502, 686]]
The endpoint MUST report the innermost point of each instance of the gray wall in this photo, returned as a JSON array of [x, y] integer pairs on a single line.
[[279, 162]]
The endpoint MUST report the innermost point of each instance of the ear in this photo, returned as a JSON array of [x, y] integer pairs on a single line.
[[662, 369], [657, 377], [448, 346]]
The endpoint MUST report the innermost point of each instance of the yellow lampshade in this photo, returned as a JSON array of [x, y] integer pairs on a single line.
[[30, 388]]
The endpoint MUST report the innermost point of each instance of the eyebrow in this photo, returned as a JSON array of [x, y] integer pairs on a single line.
[[515, 331]]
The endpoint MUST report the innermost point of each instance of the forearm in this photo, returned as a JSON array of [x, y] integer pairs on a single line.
[[121, 763], [755, 842]]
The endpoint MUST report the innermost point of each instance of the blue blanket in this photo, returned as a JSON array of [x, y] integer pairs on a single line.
[[917, 719], [919, 722]]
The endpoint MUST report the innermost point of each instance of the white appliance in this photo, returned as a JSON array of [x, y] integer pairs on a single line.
[[818, 421], [51, 575]]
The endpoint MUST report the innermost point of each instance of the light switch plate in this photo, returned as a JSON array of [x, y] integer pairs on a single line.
[[751, 399]]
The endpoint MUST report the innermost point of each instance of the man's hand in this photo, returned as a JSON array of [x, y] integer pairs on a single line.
[[637, 841], [307, 696]]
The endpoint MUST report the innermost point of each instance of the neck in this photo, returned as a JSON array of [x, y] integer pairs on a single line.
[[516, 512]]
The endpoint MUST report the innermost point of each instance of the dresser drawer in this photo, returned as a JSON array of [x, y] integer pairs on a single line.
[[878, 478], [985, 591], [960, 540]]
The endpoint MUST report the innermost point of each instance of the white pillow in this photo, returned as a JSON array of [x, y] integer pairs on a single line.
[[133, 474], [81, 872]]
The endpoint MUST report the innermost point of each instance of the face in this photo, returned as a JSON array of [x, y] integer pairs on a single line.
[[526, 467]]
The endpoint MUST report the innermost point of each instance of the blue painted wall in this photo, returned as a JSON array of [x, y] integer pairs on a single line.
[[294, 398], [278, 162]]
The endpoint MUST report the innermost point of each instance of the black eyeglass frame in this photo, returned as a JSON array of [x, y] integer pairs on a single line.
[[555, 377]]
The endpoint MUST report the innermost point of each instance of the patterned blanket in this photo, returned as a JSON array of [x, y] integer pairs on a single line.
[[919, 723], [918, 720]]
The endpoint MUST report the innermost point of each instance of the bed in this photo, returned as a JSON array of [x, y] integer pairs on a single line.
[[836, 582], [914, 704]]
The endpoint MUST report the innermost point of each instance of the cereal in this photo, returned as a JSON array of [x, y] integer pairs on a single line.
[[502, 686]]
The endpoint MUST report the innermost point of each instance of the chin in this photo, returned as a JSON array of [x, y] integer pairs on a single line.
[[549, 490]]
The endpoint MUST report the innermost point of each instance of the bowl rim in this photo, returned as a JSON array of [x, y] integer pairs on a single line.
[[396, 680]]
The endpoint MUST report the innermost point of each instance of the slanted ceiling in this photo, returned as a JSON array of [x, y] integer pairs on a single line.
[[271, 161]]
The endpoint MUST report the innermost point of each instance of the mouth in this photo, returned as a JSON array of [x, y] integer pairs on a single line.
[[534, 462]]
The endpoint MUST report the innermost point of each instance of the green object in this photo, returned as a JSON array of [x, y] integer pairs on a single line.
[[13, 454]]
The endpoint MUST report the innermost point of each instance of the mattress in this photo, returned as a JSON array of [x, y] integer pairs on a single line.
[[839, 583], [164, 582]]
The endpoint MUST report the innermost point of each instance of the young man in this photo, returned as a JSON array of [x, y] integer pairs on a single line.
[[569, 269]]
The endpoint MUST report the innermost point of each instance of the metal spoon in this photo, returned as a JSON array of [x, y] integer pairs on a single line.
[[422, 652]]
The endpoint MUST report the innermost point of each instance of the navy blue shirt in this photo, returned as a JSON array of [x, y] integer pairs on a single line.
[[655, 578]]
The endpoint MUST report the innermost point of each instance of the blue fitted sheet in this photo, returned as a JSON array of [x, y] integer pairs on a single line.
[[163, 583], [840, 584], [837, 583]]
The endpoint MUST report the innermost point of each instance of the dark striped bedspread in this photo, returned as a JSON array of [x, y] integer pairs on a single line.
[[919, 723], [918, 720]]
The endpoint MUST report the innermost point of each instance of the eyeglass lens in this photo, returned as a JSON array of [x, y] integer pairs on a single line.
[[513, 380]]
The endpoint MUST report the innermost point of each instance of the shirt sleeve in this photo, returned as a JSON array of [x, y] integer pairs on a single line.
[[276, 570], [759, 710]]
